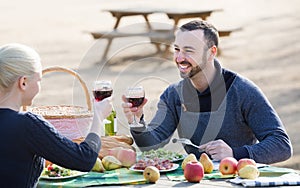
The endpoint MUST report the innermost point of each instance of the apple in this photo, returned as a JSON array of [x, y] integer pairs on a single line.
[[187, 159], [249, 172], [245, 161], [127, 157], [194, 172], [228, 165], [151, 174]]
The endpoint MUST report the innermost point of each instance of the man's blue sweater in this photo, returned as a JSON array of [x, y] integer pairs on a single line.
[[233, 109]]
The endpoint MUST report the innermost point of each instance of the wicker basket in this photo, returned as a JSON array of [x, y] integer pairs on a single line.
[[71, 121]]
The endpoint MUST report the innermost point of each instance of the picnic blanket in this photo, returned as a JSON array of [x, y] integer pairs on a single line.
[[113, 177]]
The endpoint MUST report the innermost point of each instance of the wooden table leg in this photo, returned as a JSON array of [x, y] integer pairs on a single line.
[[147, 22], [176, 20], [117, 22], [109, 41]]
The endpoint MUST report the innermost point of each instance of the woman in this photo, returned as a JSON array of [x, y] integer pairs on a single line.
[[27, 139]]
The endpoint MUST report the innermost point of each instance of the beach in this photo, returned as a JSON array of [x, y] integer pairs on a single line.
[[266, 50]]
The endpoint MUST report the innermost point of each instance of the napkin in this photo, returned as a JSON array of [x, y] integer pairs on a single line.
[[286, 179], [113, 177]]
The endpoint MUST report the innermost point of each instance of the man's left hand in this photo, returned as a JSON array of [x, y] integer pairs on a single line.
[[217, 149]]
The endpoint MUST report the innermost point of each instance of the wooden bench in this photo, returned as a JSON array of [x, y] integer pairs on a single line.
[[157, 37], [227, 32]]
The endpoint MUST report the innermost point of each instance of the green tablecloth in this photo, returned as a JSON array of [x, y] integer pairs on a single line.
[[113, 177]]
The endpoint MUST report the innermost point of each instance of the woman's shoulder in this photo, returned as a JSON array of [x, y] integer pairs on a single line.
[[35, 118]]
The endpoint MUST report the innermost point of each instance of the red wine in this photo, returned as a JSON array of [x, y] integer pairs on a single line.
[[135, 101], [102, 94]]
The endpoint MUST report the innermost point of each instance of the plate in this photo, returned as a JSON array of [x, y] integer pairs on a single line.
[[179, 159], [74, 175], [161, 154], [174, 167]]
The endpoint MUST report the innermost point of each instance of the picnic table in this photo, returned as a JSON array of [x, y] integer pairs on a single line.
[[156, 36], [175, 14]]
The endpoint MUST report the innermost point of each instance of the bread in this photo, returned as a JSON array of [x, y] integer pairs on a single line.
[[109, 142]]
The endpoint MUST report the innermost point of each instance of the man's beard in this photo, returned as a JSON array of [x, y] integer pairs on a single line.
[[194, 71]]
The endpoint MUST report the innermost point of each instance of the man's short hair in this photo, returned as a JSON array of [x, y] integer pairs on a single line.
[[210, 32]]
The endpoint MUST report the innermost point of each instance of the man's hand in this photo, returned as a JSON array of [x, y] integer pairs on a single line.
[[130, 111], [217, 149]]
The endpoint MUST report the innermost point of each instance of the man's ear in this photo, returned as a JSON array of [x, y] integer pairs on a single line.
[[22, 83], [212, 53], [214, 50]]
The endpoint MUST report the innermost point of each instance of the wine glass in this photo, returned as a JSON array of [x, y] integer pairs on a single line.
[[102, 89], [135, 96]]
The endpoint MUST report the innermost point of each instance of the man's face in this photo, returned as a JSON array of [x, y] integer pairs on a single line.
[[190, 52]]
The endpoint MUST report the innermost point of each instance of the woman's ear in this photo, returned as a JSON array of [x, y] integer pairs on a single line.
[[22, 83]]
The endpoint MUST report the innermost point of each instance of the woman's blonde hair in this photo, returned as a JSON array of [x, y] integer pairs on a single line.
[[17, 60]]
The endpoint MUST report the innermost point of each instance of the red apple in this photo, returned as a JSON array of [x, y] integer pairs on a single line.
[[245, 161], [194, 172], [228, 166], [127, 157]]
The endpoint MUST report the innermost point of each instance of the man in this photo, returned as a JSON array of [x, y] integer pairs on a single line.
[[217, 109]]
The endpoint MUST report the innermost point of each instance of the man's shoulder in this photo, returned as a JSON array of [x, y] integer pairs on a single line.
[[245, 87], [175, 85], [244, 82], [173, 90]]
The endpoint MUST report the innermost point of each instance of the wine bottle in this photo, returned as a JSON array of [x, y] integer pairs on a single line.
[[111, 127]]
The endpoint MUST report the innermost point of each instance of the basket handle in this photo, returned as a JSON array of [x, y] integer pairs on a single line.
[[75, 74]]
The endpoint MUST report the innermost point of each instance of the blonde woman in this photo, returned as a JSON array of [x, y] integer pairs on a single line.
[[27, 139]]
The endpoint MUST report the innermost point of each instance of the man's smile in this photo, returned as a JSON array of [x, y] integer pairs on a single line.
[[184, 66]]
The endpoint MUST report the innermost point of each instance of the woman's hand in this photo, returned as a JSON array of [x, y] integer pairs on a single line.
[[103, 108], [130, 111]]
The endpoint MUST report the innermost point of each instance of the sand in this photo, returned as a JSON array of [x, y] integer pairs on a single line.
[[265, 50]]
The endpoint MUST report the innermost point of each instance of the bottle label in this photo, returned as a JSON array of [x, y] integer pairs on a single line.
[[115, 125]]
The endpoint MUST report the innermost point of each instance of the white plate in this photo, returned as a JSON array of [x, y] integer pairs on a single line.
[[74, 175], [172, 160], [174, 167]]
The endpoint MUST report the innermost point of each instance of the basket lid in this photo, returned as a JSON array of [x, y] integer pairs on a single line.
[[61, 111]]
